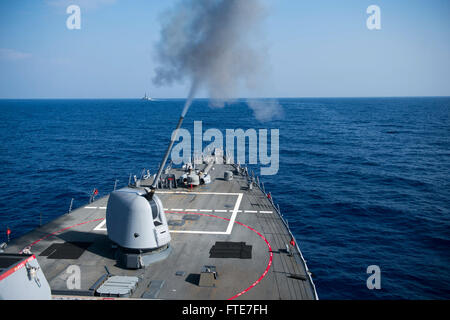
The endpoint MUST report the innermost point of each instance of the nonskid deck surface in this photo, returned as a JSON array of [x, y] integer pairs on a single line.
[[223, 211]]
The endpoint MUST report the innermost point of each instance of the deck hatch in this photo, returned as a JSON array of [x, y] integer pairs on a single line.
[[191, 217], [153, 290], [66, 250], [118, 286], [176, 222], [227, 249]]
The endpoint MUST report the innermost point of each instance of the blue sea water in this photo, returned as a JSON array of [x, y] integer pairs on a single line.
[[361, 181]]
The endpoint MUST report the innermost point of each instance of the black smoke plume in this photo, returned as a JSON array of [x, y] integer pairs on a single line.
[[214, 45]]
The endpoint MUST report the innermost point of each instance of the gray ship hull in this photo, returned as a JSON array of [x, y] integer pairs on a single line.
[[257, 262]]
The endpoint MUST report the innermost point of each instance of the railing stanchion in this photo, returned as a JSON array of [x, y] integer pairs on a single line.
[[70, 207]]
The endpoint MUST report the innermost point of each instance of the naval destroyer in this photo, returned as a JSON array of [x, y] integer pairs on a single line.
[[205, 231], [147, 98]]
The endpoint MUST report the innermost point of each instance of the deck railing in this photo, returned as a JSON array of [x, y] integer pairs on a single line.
[[256, 180]]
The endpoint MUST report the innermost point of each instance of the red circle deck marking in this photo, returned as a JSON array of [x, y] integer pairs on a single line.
[[201, 214], [59, 231], [250, 228]]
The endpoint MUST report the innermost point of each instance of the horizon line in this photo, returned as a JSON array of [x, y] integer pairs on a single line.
[[259, 98]]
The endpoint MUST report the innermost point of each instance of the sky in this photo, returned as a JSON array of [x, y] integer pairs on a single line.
[[316, 48]]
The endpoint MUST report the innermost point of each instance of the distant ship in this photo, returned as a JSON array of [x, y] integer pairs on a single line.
[[147, 98]]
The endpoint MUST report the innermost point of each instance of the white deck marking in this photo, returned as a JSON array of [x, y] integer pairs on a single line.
[[232, 219], [206, 193], [233, 216], [100, 226], [197, 232]]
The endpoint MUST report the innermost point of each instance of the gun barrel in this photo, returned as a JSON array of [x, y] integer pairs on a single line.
[[166, 156], [187, 105]]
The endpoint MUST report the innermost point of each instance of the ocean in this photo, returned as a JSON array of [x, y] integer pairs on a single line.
[[362, 181]]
